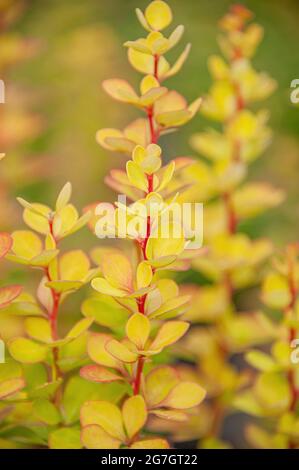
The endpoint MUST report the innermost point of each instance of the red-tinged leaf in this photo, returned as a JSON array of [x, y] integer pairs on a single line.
[[5, 243], [11, 386], [96, 373], [8, 294]]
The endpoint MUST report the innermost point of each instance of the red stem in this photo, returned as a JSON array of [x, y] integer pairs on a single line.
[[154, 135]]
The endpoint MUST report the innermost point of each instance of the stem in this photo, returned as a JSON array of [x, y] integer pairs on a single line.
[[53, 317], [231, 216], [154, 135]]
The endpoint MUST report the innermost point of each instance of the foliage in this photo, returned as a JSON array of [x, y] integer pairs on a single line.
[[148, 302], [234, 261]]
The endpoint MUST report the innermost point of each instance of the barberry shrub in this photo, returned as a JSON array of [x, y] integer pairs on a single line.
[[234, 261], [134, 299]]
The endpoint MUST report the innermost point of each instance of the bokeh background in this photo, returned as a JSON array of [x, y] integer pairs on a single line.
[[55, 104]]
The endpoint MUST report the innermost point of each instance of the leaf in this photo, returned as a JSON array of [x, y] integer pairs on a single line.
[[97, 351], [5, 243], [11, 386], [260, 361], [39, 329], [36, 216], [275, 291], [159, 383], [65, 438], [136, 176], [64, 196], [184, 395], [78, 391], [8, 294], [150, 444], [272, 391], [64, 286], [101, 285], [158, 15], [138, 329], [94, 437], [96, 373], [120, 351], [104, 414], [117, 270], [144, 275], [134, 415], [26, 244], [169, 333], [80, 327], [74, 265], [44, 258], [120, 90], [171, 415], [26, 351], [105, 311], [46, 390], [46, 412], [176, 67]]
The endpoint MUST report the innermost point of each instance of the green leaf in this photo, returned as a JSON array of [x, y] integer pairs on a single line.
[[26, 351], [106, 312], [65, 438], [46, 412], [78, 390]]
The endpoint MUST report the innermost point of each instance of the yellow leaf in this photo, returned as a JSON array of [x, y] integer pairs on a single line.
[[147, 83], [138, 329], [117, 270], [272, 392], [101, 285], [163, 247], [104, 414], [39, 329], [120, 90], [26, 351], [184, 395], [64, 286], [26, 244], [136, 176], [120, 351], [158, 15], [64, 196], [94, 437], [169, 333], [150, 444], [97, 351], [170, 415], [64, 220], [275, 291], [37, 217], [134, 415], [74, 265], [80, 327], [159, 382], [144, 275]]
